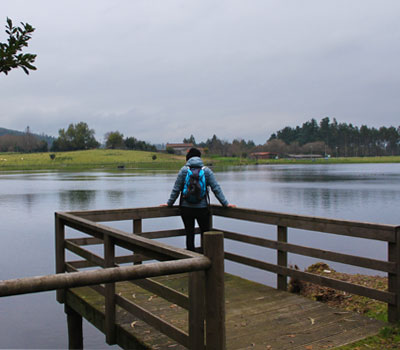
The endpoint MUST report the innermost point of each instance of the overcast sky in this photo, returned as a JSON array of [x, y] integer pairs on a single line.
[[163, 70]]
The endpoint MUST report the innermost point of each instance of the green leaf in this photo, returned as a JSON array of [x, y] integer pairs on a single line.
[[18, 38]]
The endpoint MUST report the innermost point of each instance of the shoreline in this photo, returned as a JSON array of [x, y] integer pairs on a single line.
[[102, 159]]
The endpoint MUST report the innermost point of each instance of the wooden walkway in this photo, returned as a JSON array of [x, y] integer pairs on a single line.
[[257, 317]]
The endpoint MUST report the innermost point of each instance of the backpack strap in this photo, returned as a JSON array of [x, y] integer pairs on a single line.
[[207, 192], [181, 194]]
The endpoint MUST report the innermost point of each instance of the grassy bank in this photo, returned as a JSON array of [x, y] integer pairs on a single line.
[[90, 159], [112, 159]]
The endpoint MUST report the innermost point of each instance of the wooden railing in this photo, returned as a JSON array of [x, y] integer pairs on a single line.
[[282, 222], [205, 272], [205, 302]]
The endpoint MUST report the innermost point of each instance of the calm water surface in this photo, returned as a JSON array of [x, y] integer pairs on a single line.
[[369, 192]]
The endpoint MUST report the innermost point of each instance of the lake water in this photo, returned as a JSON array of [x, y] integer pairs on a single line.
[[362, 192]]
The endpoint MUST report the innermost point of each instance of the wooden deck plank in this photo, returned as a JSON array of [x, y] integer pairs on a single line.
[[256, 316], [299, 332]]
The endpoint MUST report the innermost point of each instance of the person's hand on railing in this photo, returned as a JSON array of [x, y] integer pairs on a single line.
[[164, 205]]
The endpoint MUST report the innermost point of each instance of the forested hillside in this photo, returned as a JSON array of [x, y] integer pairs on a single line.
[[338, 139], [18, 141], [324, 138]]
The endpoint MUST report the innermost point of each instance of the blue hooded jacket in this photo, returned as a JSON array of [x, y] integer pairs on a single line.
[[211, 182]]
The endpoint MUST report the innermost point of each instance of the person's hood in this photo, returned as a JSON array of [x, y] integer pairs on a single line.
[[195, 162]]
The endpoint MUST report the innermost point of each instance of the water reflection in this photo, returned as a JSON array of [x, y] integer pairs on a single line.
[[354, 192], [29, 199], [363, 192], [327, 198], [115, 196], [338, 173], [78, 199]]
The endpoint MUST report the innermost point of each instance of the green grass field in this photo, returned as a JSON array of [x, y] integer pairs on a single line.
[[91, 159], [112, 159]]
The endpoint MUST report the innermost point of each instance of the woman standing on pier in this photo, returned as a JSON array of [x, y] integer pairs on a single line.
[[195, 207]]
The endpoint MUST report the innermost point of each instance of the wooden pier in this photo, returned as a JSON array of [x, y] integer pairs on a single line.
[[151, 295], [257, 317]]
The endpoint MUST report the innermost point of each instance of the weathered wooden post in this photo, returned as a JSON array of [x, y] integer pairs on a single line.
[[196, 310], [75, 333], [282, 258], [394, 278], [137, 229], [109, 257], [215, 291], [137, 226], [210, 220], [60, 254], [210, 228]]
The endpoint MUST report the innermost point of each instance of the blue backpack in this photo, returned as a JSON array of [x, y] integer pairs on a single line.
[[194, 188]]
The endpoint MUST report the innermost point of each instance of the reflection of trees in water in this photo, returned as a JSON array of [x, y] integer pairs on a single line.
[[337, 198], [29, 200], [331, 174], [323, 177], [78, 199], [115, 196]]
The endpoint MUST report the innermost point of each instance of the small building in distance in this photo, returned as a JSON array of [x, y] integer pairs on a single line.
[[263, 155], [179, 148]]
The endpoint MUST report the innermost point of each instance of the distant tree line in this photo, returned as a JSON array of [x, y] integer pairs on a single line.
[[323, 138], [115, 139], [236, 148], [337, 139], [23, 142], [80, 137], [216, 146], [77, 137]]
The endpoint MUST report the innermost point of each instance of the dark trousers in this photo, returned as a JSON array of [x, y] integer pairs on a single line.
[[189, 215]]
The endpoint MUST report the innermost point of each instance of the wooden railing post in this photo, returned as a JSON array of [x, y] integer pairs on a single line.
[[210, 220], [75, 332], [282, 258], [137, 229], [394, 278], [210, 227], [196, 310], [109, 257], [214, 291], [60, 254], [137, 226]]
